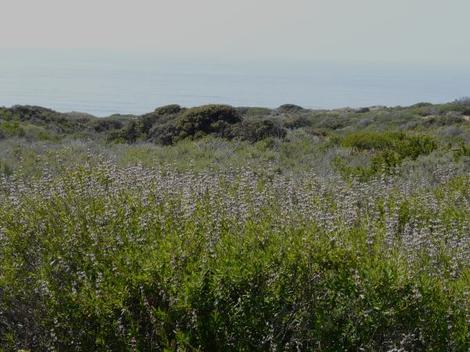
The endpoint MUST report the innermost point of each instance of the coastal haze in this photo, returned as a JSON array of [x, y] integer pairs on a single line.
[[105, 83], [129, 57]]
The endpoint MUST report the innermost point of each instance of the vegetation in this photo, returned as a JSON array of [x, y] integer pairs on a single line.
[[386, 151], [236, 229]]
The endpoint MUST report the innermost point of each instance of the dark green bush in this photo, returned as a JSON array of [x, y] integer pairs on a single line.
[[362, 110], [168, 109], [216, 120], [130, 133], [159, 117], [207, 119], [421, 105], [163, 134], [146, 123], [295, 121], [256, 130], [290, 108], [106, 125], [332, 122]]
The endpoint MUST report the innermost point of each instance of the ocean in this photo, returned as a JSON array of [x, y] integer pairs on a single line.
[[104, 82]]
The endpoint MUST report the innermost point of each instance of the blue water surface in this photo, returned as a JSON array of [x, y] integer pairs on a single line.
[[105, 82]]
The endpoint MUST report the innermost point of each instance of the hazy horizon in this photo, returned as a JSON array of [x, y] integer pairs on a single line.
[[405, 32], [120, 56], [103, 82]]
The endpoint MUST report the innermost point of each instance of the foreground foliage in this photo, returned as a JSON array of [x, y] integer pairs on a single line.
[[317, 240], [117, 259]]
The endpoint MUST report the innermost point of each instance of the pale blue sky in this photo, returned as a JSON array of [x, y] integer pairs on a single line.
[[406, 31]]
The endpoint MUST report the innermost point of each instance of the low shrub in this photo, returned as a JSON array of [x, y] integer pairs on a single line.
[[371, 140], [295, 121], [290, 108], [160, 116], [331, 122], [12, 128], [106, 125], [215, 120], [406, 146], [362, 110], [388, 150], [256, 130], [208, 119], [171, 109]]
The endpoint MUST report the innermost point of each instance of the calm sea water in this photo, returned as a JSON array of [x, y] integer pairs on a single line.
[[102, 83]]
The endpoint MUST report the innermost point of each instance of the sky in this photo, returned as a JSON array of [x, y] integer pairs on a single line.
[[403, 31]]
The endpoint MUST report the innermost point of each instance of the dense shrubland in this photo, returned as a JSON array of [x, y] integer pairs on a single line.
[[220, 228], [170, 124]]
